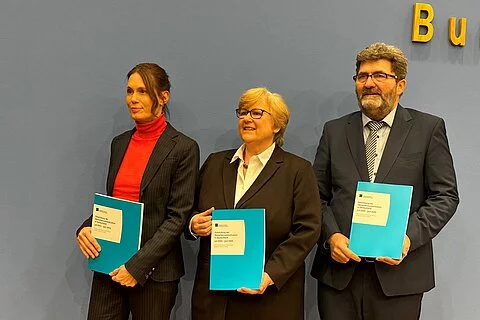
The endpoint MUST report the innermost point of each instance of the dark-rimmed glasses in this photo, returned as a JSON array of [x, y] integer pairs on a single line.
[[254, 113], [376, 76]]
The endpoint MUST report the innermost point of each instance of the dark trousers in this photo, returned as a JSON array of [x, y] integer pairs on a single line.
[[363, 299], [112, 301]]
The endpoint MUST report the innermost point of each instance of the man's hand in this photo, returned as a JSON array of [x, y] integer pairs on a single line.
[[339, 249], [396, 262], [202, 223], [88, 244], [266, 281], [122, 276]]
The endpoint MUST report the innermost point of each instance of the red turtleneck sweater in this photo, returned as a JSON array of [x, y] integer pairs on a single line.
[[129, 176]]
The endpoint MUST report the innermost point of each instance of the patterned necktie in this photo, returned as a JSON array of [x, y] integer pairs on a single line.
[[371, 145]]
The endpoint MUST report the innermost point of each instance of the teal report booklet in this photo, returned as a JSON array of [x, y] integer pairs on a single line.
[[379, 221], [237, 249], [117, 226]]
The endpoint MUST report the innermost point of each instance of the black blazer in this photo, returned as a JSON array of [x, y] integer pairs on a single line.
[[416, 154], [167, 190], [287, 189]]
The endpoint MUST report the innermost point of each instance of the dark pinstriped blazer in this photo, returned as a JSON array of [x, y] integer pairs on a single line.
[[167, 191]]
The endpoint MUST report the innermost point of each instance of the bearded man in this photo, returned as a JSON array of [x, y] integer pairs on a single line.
[[386, 143]]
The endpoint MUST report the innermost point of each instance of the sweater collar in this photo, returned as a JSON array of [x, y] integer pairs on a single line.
[[152, 129]]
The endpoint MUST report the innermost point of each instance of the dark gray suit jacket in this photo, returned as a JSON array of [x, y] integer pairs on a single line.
[[416, 154], [287, 189], [167, 191]]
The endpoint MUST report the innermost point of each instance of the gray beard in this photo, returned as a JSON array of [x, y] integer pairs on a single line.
[[373, 111]]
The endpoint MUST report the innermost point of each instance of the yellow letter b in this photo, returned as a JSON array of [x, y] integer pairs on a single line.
[[426, 22]]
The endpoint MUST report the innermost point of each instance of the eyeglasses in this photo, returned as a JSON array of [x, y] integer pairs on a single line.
[[254, 113], [376, 76]]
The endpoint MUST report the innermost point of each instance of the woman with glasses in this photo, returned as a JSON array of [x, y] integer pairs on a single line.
[[259, 174]]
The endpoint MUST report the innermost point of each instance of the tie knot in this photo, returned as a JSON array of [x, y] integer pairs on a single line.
[[375, 125]]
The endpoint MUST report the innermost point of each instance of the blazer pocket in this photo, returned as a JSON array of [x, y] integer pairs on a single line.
[[409, 159]]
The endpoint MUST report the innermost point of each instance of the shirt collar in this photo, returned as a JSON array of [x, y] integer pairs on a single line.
[[263, 157], [388, 119]]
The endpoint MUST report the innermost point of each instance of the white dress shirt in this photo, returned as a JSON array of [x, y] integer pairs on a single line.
[[255, 166]]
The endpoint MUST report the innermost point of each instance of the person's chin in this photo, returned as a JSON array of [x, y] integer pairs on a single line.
[[370, 103], [138, 119], [247, 138], [370, 110]]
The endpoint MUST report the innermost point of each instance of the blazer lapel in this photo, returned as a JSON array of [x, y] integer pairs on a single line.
[[275, 161], [116, 159], [162, 148], [229, 176], [357, 144], [398, 134]]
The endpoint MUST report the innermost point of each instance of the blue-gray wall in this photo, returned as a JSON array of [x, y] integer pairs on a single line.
[[62, 77]]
